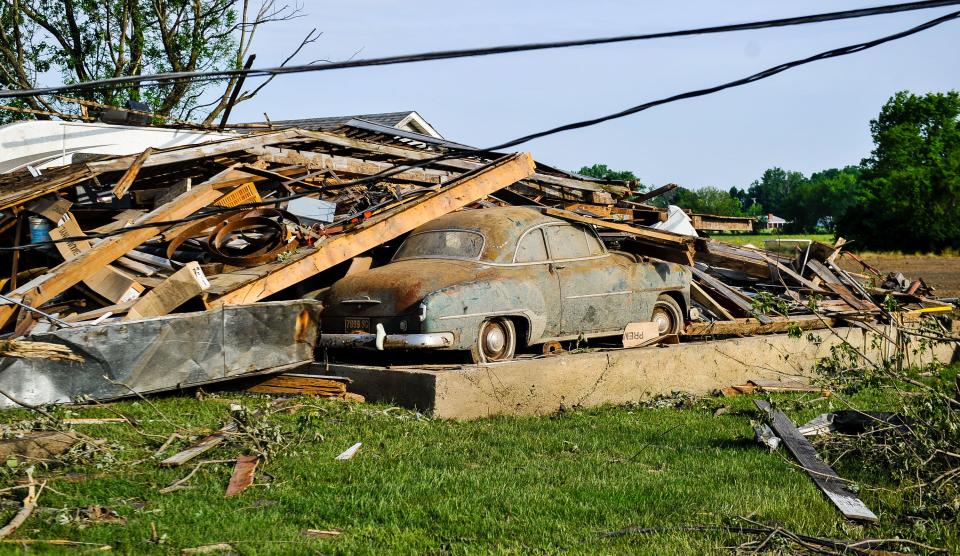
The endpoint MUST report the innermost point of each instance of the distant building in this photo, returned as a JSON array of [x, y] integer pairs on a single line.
[[774, 222], [405, 121]]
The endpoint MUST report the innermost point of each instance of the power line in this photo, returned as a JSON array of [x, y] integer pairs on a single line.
[[456, 153], [473, 52]]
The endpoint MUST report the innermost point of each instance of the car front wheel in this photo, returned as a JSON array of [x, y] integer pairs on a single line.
[[496, 341], [667, 315]]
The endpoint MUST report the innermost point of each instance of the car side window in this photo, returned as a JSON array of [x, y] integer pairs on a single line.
[[567, 242], [593, 243], [531, 249]]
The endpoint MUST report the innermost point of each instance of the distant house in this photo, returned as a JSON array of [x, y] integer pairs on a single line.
[[774, 222]]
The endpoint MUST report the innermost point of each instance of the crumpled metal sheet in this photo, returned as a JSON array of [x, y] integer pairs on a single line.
[[165, 353]]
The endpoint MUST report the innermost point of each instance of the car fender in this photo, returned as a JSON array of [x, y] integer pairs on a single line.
[[461, 308]]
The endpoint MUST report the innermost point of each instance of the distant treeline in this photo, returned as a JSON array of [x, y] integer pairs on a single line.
[[905, 196]]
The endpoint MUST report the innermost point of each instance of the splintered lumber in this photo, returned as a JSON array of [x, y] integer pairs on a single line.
[[724, 292], [30, 349], [830, 280], [698, 294], [665, 245], [307, 385], [784, 270], [177, 289], [128, 177], [84, 265], [822, 474], [380, 228], [242, 476], [204, 445], [109, 282], [750, 326], [749, 261]]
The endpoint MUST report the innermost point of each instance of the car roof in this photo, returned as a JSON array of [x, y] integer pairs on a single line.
[[502, 227]]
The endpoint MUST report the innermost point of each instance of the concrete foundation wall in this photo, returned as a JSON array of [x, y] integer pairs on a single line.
[[542, 385]]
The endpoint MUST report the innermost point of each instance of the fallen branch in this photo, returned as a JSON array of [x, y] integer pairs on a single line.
[[29, 504]]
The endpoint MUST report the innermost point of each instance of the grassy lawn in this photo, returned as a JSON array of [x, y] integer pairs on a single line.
[[421, 485], [757, 239]]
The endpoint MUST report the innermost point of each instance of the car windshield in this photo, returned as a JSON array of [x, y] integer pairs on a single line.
[[444, 244]]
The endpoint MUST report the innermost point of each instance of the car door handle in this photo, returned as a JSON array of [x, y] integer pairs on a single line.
[[559, 266]]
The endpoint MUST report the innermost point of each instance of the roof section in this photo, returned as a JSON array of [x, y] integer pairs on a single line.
[[408, 120]]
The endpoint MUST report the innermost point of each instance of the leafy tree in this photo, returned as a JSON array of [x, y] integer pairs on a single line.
[[84, 40], [602, 172], [773, 188], [909, 190], [819, 201], [706, 200]]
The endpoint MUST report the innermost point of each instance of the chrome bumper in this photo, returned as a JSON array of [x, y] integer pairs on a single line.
[[382, 340]]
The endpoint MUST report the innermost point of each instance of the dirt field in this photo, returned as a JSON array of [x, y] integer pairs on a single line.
[[941, 272]]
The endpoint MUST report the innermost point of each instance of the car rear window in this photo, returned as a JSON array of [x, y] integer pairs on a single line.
[[571, 242], [445, 244]]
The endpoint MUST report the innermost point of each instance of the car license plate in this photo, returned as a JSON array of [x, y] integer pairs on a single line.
[[356, 325]]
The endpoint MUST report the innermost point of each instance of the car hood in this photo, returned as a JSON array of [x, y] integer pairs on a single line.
[[397, 288]]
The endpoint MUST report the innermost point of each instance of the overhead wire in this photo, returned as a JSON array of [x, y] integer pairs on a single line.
[[459, 152], [217, 75]]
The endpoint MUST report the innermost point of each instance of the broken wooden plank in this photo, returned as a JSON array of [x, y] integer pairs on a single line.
[[822, 474], [177, 289], [300, 384], [835, 285], [253, 286], [698, 294], [643, 197], [750, 326], [70, 273], [128, 177], [724, 292], [204, 445], [242, 476], [108, 282]]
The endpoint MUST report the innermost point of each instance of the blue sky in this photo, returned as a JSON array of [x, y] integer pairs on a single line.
[[807, 119]]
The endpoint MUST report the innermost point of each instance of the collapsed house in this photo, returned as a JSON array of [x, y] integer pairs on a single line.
[[181, 266]]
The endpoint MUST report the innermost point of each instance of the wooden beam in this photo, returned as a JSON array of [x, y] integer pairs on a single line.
[[669, 238], [751, 326], [457, 163], [643, 197], [698, 294], [70, 273], [822, 474], [194, 152], [177, 289], [732, 296], [126, 180], [835, 285], [349, 165], [382, 227]]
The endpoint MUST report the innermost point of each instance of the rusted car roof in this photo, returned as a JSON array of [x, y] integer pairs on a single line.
[[501, 227]]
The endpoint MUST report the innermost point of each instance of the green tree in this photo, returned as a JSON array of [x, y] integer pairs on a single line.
[[773, 189], [909, 191], [602, 172], [84, 40], [819, 201]]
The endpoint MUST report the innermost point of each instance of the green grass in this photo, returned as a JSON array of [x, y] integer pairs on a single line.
[[421, 485], [757, 239]]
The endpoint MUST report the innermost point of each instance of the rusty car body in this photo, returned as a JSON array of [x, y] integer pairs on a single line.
[[486, 280]]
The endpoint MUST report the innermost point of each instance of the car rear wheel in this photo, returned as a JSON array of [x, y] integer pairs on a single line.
[[667, 315], [496, 341]]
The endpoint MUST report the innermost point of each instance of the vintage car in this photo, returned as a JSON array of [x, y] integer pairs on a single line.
[[490, 281]]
